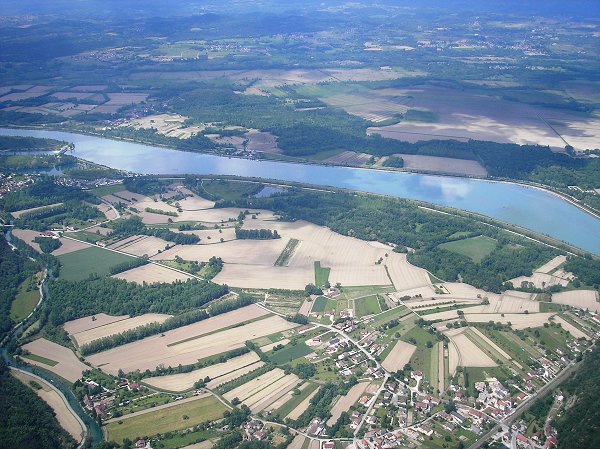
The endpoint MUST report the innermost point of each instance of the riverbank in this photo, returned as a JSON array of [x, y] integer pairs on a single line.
[[531, 207], [287, 159]]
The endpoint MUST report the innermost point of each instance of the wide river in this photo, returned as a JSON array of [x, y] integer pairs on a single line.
[[520, 205]]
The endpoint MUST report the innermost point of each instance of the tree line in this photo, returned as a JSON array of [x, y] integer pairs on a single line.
[[256, 234]]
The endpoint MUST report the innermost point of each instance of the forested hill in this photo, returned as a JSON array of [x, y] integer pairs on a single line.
[[579, 426]]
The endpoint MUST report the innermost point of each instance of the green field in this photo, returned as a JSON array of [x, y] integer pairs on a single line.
[[25, 301], [319, 304], [368, 305], [366, 290], [78, 265], [321, 274], [230, 190], [289, 353], [107, 190], [39, 358], [169, 419], [476, 248]]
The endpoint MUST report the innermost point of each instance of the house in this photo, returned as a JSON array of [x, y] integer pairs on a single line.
[[260, 435], [140, 443], [522, 441], [328, 445]]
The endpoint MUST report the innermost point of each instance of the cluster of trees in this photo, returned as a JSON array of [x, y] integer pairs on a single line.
[[128, 265], [586, 268], [492, 272], [394, 161], [47, 244], [45, 217], [228, 305], [25, 419], [579, 425], [69, 300], [256, 234], [134, 225], [213, 267], [43, 192]]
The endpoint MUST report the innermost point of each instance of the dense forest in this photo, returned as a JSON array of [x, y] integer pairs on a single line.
[[16, 143], [69, 300], [579, 425], [26, 421]]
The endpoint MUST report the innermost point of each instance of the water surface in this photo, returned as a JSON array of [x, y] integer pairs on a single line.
[[524, 206]]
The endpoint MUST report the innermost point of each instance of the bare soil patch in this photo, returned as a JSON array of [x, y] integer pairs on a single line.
[[117, 327], [68, 367], [399, 356], [152, 274]]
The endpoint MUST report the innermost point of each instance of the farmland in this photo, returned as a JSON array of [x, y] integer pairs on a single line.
[[476, 248], [87, 336], [185, 381], [168, 419], [184, 345], [80, 264], [55, 358], [152, 274]]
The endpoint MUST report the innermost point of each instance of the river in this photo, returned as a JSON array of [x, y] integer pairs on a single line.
[[520, 205]]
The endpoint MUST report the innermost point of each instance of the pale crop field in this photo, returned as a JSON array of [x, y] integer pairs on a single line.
[[518, 321], [463, 352], [404, 275], [246, 252], [345, 402], [146, 246], [286, 397], [582, 299], [552, 264], [509, 302], [301, 408], [251, 276], [246, 390], [68, 246], [27, 236], [574, 331], [233, 375], [68, 365], [264, 398], [542, 280], [18, 213], [152, 274], [399, 356], [91, 322], [185, 381], [441, 164], [87, 336], [153, 351], [469, 115]]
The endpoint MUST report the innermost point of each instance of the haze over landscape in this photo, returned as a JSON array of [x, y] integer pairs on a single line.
[[331, 224]]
